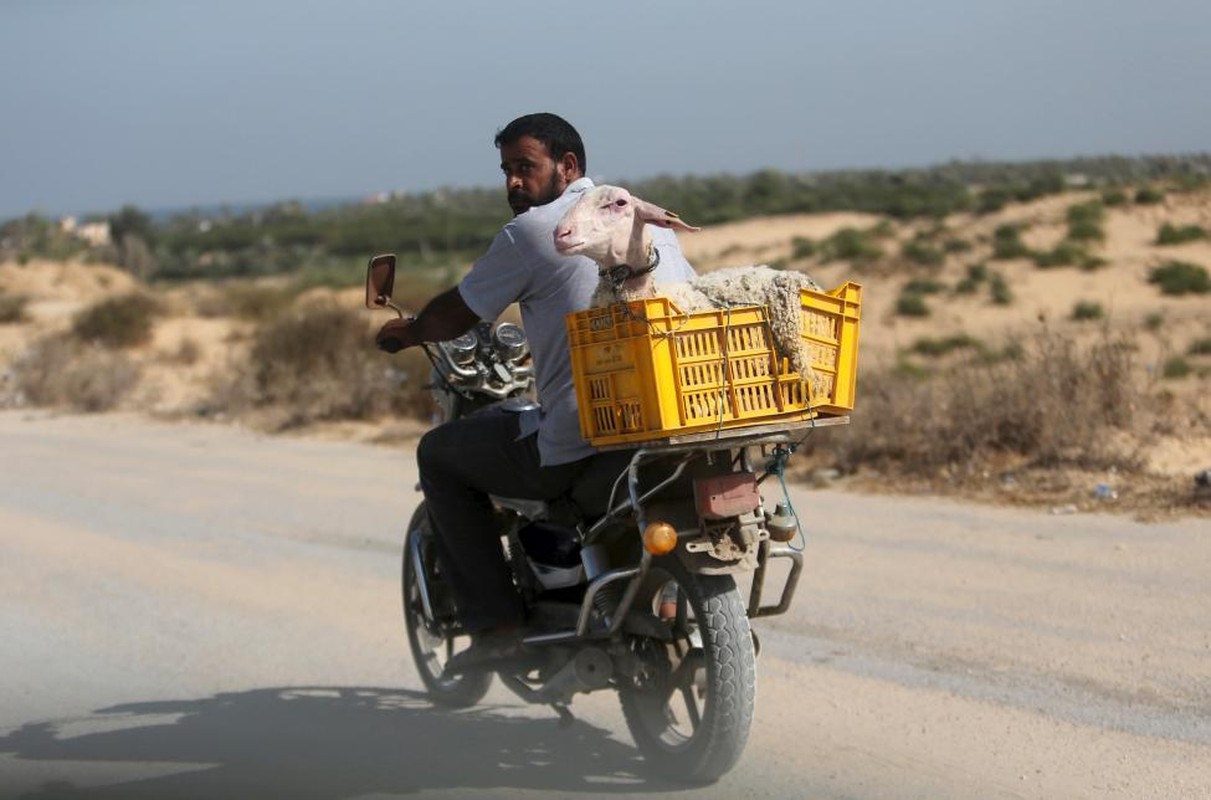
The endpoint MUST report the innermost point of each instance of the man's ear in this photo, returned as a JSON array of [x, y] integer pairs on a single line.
[[568, 167]]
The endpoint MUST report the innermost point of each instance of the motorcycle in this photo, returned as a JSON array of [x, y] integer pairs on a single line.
[[630, 581]]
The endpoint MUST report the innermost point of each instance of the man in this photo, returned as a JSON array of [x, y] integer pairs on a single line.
[[534, 455]]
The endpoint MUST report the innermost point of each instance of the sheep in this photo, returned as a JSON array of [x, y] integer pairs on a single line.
[[607, 224]]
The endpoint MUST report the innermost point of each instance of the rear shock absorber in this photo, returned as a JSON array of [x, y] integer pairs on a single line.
[[596, 561], [606, 601]]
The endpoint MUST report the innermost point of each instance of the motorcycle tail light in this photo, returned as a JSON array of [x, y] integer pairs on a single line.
[[659, 538]]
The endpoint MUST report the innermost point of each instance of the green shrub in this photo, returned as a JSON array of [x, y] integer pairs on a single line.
[[1086, 231], [1147, 195], [1084, 310], [976, 274], [1171, 234], [1085, 221], [883, 229], [992, 200], [1091, 211], [1154, 320], [935, 348], [911, 304], [1064, 254], [1176, 367], [956, 246], [922, 252], [12, 308], [999, 290], [1040, 186], [851, 244], [122, 321], [1114, 197], [1200, 347], [923, 286], [1007, 243], [1180, 277], [802, 247]]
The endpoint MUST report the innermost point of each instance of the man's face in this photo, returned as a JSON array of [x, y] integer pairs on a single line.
[[532, 177]]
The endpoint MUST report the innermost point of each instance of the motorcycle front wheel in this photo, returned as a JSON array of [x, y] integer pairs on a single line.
[[691, 707], [434, 635]]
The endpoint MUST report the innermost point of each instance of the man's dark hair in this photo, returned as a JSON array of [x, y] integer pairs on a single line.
[[553, 131]]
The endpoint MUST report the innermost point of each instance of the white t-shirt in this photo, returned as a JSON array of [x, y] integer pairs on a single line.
[[522, 266]]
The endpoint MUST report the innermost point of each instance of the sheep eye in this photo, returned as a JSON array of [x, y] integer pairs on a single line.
[[620, 202]]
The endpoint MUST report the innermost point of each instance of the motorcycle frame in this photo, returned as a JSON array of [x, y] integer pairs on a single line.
[[741, 440]]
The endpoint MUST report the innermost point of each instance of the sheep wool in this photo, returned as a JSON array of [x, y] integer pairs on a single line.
[[762, 285]]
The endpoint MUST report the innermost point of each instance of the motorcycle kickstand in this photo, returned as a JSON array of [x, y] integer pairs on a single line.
[[566, 718]]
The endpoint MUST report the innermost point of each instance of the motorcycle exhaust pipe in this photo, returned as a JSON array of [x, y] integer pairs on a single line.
[[589, 669]]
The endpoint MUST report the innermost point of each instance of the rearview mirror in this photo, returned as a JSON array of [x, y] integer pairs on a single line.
[[380, 281]]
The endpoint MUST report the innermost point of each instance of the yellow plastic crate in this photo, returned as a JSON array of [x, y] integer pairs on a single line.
[[646, 371]]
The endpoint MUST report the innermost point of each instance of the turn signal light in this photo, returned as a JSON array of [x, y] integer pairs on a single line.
[[659, 538]]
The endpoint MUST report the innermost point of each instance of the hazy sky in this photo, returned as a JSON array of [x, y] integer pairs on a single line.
[[167, 104]]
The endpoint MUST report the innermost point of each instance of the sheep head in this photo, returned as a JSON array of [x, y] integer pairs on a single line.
[[607, 225]]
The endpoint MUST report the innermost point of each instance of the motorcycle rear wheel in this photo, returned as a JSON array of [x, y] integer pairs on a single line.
[[691, 712], [433, 640]]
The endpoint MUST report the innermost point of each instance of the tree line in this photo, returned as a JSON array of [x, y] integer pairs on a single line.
[[449, 227]]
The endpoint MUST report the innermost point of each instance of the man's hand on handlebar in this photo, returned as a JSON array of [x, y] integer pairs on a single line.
[[395, 336]]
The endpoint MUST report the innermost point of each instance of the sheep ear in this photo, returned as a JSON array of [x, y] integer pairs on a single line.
[[650, 212]]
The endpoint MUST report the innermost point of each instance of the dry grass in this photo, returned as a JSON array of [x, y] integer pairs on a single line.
[[12, 309], [316, 362], [255, 302], [116, 322], [1054, 404], [64, 372], [187, 353], [1043, 428]]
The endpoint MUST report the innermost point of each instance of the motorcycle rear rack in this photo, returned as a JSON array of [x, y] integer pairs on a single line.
[[635, 575]]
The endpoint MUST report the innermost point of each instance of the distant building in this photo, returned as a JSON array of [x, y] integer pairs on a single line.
[[95, 233]]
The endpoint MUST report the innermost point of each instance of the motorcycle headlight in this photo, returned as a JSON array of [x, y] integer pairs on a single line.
[[510, 341], [462, 348]]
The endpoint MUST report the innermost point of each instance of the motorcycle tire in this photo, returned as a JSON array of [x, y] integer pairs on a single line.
[[691, 711], [433, 640]]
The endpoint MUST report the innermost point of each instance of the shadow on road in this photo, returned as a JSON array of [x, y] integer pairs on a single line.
[[327, 742]]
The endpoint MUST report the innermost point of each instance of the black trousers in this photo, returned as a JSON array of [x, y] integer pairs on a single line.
[[461, 463]]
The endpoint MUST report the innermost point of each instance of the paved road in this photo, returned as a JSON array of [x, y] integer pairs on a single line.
[[196, 611]]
